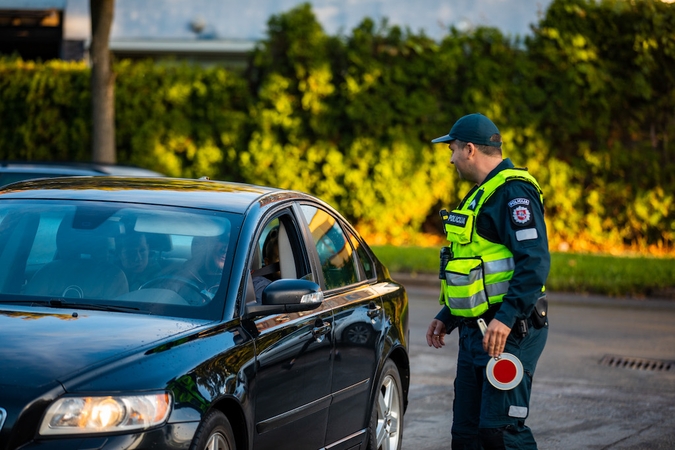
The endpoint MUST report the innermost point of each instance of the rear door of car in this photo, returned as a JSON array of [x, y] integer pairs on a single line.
[[346, 272], [292, 383]]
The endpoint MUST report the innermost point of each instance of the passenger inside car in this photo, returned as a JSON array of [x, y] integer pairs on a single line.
[[134, 257], [270, 271]]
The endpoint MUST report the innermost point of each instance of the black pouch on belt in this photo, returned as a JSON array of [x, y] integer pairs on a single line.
[[540, 313]]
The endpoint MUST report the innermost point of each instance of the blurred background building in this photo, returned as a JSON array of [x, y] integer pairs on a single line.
[[224, 31]]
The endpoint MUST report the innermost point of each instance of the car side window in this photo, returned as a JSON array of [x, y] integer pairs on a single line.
[[275, 255], [335, 251], [265, 266]]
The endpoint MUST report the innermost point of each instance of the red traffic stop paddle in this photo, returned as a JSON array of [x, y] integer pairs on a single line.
[[505, 371]]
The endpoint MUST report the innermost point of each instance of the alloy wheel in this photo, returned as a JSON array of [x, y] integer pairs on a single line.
[[389, 415], [217, 442]]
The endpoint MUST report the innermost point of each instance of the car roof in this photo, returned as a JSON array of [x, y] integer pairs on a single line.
[[205, 194], [74, 168]]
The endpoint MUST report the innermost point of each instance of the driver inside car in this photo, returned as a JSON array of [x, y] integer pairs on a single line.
[[205, 268], [270, 269], [198, 279], [133, 256]]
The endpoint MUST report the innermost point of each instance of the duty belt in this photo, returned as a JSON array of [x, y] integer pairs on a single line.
[[487, 316]]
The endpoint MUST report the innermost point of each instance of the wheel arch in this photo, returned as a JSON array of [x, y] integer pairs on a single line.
[[400, 357]]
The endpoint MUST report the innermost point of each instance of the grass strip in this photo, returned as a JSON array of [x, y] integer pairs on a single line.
[[617, 276]]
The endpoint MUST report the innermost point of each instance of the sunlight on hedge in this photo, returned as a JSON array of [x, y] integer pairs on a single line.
[[585, 103]]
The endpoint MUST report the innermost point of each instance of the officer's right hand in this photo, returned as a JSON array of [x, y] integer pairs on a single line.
[[436, 334]]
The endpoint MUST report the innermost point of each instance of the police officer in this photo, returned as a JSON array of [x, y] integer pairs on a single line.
[[495, 268]]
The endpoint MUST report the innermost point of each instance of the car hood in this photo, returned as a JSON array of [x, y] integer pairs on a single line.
[[40, 345]]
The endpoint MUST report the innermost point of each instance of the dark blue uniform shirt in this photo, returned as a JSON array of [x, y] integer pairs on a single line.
[[514, 216]]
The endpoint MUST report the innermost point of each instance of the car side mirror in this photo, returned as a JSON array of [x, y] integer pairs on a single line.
[[286, 296]]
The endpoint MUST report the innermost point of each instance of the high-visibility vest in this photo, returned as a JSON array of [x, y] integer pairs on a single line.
[[478, 273]]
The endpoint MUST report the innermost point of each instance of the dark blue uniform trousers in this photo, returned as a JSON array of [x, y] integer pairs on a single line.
[[485, 417]]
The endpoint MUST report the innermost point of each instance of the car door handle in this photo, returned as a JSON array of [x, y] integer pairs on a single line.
[[373, 310], [321, 329]]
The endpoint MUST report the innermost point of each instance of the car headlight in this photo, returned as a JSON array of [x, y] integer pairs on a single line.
[[105, 414]]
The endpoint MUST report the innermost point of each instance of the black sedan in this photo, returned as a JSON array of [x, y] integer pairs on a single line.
[[140, 313]]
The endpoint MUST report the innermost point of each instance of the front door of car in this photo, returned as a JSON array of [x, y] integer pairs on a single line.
[[293, 352], [358, 318]]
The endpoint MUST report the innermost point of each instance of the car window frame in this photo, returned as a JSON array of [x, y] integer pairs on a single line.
[[287, 215], [360, 265]]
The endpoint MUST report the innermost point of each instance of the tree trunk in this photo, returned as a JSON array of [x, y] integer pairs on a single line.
[[102, 83]]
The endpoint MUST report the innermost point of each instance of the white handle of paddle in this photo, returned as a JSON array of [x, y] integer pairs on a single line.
[[482, 325], [483, 328]]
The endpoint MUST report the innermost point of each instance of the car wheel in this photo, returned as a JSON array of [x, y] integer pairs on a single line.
[[214, 433], [386, 420]]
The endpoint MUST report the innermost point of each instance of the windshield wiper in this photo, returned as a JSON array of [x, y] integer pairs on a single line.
[[59, 303]]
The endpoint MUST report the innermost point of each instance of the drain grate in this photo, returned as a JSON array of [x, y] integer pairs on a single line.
[[655, 365]]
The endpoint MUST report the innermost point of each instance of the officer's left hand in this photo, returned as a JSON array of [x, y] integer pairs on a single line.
[[436, 334], [494, 340]]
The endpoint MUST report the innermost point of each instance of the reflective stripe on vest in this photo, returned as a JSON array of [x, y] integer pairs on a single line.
[[480, 271]]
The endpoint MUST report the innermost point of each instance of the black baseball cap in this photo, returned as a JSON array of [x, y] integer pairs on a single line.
[[474, 128]]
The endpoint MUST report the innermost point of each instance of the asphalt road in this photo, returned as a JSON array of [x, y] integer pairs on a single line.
[[577, 402]]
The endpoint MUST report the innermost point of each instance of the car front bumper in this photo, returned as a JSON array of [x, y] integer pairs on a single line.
[[177, 436]]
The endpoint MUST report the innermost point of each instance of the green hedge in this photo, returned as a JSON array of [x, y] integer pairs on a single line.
[[587, 103], [45, 111], [179, 120]]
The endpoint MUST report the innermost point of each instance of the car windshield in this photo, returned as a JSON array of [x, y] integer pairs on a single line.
[[120, 257]]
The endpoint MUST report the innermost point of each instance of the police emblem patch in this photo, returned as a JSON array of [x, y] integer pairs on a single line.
[[521, 214]]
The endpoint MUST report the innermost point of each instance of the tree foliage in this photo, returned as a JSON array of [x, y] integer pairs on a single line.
[[587, 103], [607, 74], [177, 119], [181, 120]]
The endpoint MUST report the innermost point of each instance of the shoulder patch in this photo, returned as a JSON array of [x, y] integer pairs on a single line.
[[520, 211], [519, 201]]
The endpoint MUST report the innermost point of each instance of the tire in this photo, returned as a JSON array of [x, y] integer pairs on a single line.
[[385, 431], [214, 433]]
